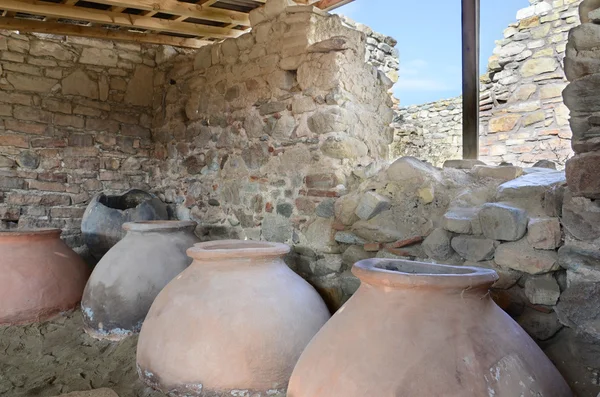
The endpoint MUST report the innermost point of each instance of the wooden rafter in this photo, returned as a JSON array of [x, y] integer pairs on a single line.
[[188, 23], [25, 25], [113, 18]]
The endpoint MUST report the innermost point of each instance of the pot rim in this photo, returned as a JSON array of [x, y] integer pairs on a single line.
[[422, 274], [158, 225], [237, 249], [45, 231]]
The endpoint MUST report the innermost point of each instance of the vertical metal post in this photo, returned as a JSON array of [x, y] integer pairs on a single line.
[[470, 85]]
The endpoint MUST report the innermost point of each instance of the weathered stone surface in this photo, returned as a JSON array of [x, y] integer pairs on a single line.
[[581, 217], [507, 278], [41, 48], [325, 209], [99, 57], [504, 123], [344, 147], [345, 208], [23, 82], [465, 164], [503, 222], [371, 204], [349, 238], [355, 253], [519, 255], [505, 173], [544, 233], [28, 159], [582, 265], [411, 169], [438, 244], [579, 308], [320, 236], [276, 228], [460, 220], [542, 290], [140, 89], [79, 83], [529, 190], [474, 248], [5, 162], [533, 67], [330, 120], [330, 263], [583, 175], [540, 326], [104, 392]]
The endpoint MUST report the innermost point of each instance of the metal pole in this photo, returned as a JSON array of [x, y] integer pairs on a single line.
[[470, 85]]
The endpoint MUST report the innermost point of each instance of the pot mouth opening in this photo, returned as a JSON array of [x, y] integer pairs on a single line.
[[158, 226], [236, 249], [398, 272], [41, 232], [128, 200]]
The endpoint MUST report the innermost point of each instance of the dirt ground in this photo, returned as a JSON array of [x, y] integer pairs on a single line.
[[57, 357]]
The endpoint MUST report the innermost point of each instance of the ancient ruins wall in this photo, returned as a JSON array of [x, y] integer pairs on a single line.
[[75, 119], [523, 118], [261, 133]]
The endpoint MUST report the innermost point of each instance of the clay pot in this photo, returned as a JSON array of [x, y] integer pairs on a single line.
[[102, 223], [418, 329], [125, 282], [236, 319], [39, 276]]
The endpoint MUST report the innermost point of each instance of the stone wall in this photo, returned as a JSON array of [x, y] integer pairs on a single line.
[[76, 119], [523, 118], [260, 134], [432, 131]]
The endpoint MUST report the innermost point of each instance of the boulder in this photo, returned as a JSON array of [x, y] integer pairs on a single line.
[[460, 220], [581, 217], [349, 238], [507, 278], [371, 204], [438, 245], [528, 191], [583, 175], [411, 169], [504, 173], [355, 253], [345, 208], [503, 222], [320, 236], [330, 263], [540, 326], [474, 248], [582, 265], [521, 256], [542, 290], [579, 308], [544, 233]]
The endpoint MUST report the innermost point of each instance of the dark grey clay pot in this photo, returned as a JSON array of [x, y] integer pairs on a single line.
[[102, 224], [125, 282]]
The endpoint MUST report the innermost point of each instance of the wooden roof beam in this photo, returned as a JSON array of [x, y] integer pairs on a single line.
[[328, 5], [188, 10], [25, 25], [113, 18]]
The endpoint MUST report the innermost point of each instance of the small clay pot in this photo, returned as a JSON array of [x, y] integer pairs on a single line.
[[40, 276], [125, 282], [235, 321], [103, 219], [418, 329]]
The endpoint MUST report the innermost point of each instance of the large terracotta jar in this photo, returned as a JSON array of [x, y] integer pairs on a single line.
[[125, 282], [102, 223], [40, 276], [416, 329], [235, 321]]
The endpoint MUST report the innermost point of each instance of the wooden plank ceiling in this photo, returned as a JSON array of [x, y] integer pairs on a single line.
[[185, 23]]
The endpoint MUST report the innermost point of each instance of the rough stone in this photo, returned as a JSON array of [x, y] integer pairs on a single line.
[[529, 190], [582, 265], [411, 169], [460, 220], [536, 66], [542, 290], [349, 238], [99, 57], [330, 263], [139, 89], [521, 256], [503, 222], [355, 253], [320, 236], [503, 123], [438, 244], [325, 209], [540, 326], [504, 173], [104, 392], [28, 159], [345, 208], [371, 204], [474, 248], [23, 82], [465, 164], [583, 175], [544, 233], [344, 147], [79, 83], [581, 217], [276, 228], [579, 308]]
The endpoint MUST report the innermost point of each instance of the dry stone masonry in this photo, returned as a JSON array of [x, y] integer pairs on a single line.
[[523, 117]]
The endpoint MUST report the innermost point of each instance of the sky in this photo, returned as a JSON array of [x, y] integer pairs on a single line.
[[429, 40]]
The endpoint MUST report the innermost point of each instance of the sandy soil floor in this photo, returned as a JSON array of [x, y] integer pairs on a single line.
[[57, 357]]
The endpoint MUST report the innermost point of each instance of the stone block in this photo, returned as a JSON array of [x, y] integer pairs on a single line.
[[503, 222], [459, 220], [355, 253], [507, 278], [343, 146], [474, 248], [349, 238], [23, 82], [544, 233], [528, 191], [504, 173], [503, 123], [320, 236], [79, 83], [581, 217], [536, 66], [345, 208], [540, 326], [582, 265], [42, 48], [542, 290], [99, 57], [412, 169], [330, 263], [438, 244], [521, 256], [579, 308], [139, 90], [371, 204], [583, 175], [462, 164]]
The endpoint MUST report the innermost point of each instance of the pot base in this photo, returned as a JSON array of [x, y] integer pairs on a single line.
[[197, 390]]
